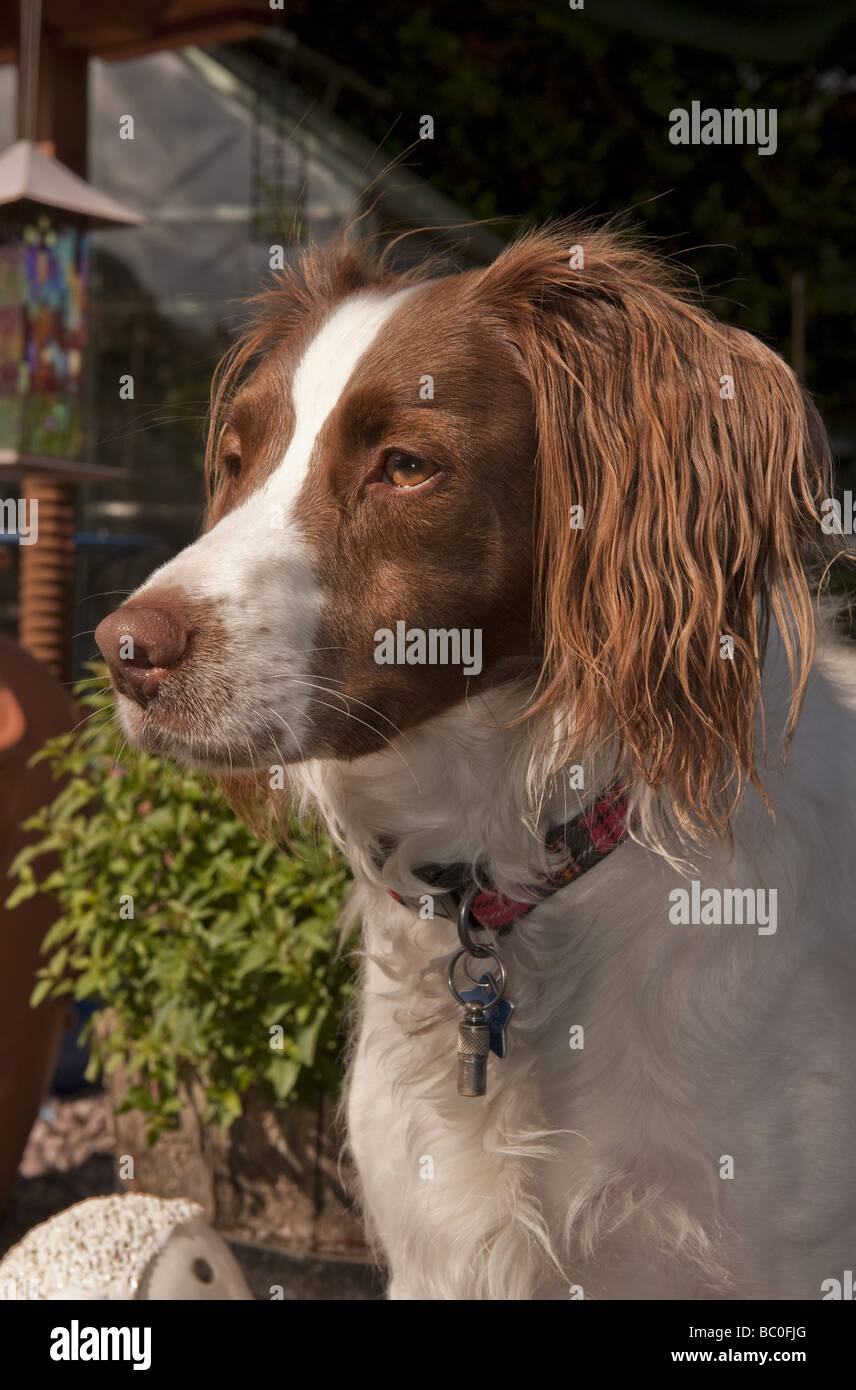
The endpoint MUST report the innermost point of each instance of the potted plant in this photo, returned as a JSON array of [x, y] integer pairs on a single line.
[[224, 981]]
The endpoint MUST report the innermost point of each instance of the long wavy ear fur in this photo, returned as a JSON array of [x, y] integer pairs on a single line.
[[699, 512]]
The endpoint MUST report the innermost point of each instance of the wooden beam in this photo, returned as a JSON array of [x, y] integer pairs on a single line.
[[100, 30], [235, 30], [15, 464], [61, 104]]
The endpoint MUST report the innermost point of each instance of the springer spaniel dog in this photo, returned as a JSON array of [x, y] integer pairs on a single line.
[[514, 572]]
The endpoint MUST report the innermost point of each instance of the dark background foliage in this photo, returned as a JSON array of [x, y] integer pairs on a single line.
[[541, 111]]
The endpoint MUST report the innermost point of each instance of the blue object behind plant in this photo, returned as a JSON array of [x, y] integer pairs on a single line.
[[70, 1074]]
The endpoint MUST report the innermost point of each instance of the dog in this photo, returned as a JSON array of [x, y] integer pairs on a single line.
[[635, 821]]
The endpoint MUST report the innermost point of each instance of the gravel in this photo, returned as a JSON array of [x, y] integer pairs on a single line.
[[69, 1156]]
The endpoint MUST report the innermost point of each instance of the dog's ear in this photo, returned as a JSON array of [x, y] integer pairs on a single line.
[[679, 475]]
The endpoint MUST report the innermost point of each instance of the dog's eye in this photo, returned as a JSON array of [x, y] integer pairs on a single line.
[[405, 470], [232, 464]]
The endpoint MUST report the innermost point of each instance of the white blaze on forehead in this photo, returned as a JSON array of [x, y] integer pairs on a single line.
[[322, 374]]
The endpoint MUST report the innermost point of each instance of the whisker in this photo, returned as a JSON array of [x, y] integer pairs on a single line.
[[120, 752], [348, 715], [301, 651], [286, 725], [279, 674], [111, 715], [105, 593], [273, 737], [250, 751], [370, 708]]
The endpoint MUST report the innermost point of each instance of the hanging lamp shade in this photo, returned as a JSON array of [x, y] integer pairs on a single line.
[[28, 174]]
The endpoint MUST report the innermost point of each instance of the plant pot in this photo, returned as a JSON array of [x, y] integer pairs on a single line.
[[275, 1179]]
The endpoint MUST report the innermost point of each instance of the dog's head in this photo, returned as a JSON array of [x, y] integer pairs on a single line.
[[555, 470]]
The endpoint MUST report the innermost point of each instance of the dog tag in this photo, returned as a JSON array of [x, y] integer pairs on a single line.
[[473, 1047], [497, 1013]]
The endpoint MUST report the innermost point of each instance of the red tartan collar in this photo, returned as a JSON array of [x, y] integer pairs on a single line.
[[584, 841]]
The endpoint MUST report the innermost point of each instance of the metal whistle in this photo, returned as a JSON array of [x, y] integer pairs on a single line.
[[473, 1049]]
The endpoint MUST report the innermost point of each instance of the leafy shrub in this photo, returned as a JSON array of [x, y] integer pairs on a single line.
[[230, 941]]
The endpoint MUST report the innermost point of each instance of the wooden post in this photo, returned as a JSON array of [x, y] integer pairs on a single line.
[[61, 104], [46, 574]]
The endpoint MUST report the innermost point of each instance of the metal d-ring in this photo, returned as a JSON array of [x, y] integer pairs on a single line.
[[476, 979], [499, 987], [464, 929]]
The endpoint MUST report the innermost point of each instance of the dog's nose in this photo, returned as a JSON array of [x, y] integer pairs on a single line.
[[140, 644]]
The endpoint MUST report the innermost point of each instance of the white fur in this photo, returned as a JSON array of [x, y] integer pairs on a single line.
[[599, 1169], [323, 373]]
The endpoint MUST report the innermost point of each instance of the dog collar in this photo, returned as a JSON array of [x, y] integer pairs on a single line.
[[583, 841]]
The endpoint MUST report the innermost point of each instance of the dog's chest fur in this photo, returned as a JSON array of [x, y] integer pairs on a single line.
[[698, 1143]]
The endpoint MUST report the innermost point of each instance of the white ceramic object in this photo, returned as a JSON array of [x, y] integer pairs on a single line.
[[121, 1248]]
